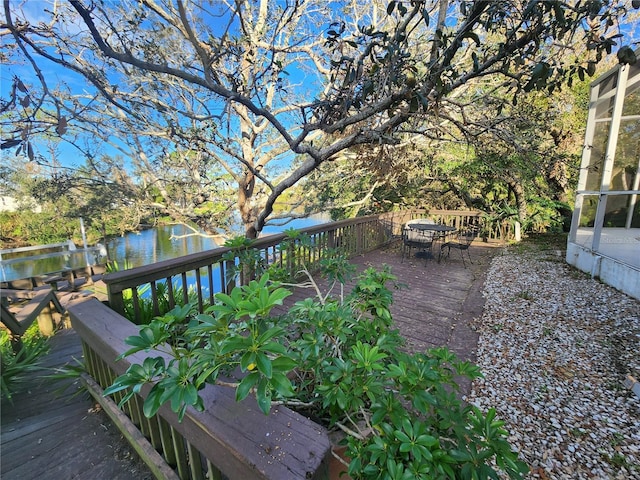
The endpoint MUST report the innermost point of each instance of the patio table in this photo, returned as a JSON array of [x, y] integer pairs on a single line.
[[440, 232]]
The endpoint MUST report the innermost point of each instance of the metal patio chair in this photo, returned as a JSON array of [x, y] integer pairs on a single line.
[[462, 243], [420, 240]]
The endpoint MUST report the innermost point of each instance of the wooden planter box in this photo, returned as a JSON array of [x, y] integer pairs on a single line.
[[231, 439]]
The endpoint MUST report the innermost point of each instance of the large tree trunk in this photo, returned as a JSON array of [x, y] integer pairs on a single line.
[[521, 201], [559, 181], [246, 208]]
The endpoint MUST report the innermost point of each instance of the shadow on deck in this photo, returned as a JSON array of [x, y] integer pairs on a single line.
[[47, 434]]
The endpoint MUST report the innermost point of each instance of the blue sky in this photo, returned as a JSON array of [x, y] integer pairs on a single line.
[[35, 11]]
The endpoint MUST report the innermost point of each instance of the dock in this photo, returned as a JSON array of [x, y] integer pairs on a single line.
[[54, 430]]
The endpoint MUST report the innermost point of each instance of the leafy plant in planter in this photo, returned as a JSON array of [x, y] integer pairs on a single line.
[[336, 359], [139, 309], [245, 262], [14, 366]]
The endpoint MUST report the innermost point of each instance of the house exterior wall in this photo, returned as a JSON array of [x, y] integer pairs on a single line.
[[608, 193], [619, 275]]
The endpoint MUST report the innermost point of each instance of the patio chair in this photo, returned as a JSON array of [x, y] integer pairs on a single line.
[[421, 240], [463, 242], [391, 230]]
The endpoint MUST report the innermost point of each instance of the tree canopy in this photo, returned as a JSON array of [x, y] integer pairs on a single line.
[[251, 97]]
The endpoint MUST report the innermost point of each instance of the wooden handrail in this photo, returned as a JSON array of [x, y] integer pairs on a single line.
[[35, 304], [66, 252], [136, 276], [94, 251], [67, 245]]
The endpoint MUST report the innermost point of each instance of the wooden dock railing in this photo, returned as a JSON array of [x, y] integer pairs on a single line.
[[51, 263], [228, 439]]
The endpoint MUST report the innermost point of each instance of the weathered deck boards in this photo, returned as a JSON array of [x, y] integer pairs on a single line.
[[49, 436], [53, 435], [437, 301]]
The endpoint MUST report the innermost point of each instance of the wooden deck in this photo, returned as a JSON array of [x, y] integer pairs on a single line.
[[436, 302], [49, 435]]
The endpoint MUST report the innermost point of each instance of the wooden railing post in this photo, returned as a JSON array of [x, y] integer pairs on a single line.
[[229, 281], [116, 301], [331, 239]]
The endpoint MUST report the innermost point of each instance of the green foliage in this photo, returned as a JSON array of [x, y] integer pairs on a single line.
[[243, 259], [114, 266], [245, 262], [16, 365], [235, 332], [31, 228], [69, 375], [62, 203], [336, 359], [144, 306], [145, 310], [142, 313], [544, 216]]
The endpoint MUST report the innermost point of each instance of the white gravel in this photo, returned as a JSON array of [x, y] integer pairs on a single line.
[[555, 348]]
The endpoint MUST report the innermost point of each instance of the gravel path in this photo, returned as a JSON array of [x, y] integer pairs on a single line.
[[555, 348]]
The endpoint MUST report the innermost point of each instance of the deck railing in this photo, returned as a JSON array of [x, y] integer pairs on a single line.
[[228, 439], [224, 439], [488, 230], [49, 263], [203, 274]]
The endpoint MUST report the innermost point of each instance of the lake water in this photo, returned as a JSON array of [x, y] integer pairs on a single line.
[[156, 244], [141, 248], [171, 241]]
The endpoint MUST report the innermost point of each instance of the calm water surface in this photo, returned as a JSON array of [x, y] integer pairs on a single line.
[[171, 241], [156, 244], [140, 248]]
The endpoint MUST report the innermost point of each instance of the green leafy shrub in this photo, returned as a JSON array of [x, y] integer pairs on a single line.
[[16, 365], [337, 360], [144, 313], [245, 262]]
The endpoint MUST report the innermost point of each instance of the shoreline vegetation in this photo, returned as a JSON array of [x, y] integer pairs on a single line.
[[18, 230], [7, 242]]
